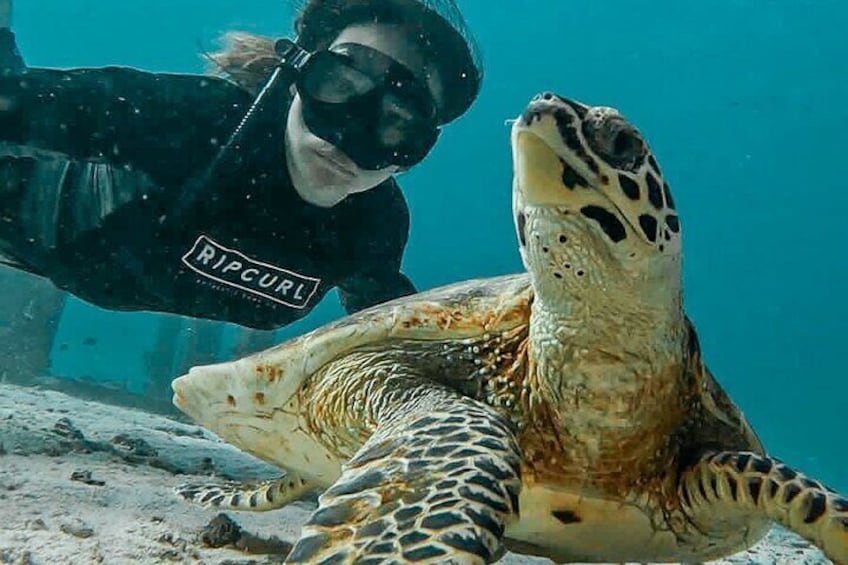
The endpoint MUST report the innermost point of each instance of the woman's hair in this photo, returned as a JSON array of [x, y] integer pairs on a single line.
[[248, 59]]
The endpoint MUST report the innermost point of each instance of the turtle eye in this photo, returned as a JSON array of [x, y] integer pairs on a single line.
[[626, 146], [621, 146], [616, 141]]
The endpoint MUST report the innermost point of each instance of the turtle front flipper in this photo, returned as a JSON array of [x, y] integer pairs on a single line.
[[254, 497], [437, 482], [748, 484]]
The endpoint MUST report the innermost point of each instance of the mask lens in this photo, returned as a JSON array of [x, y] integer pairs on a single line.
[[332, 79], [411, 93], [378, 119], [397, 120]]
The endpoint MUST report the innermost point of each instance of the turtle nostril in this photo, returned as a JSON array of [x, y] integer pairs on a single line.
[[543, 96]]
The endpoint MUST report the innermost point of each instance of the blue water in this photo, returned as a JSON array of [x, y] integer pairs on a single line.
[[744, 103]]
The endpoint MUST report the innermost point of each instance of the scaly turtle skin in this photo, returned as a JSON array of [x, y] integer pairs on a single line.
[[565, 412]]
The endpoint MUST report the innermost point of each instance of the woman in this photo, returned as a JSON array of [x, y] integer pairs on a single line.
[[246, 197]]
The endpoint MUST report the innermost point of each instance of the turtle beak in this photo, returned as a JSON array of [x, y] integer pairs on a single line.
[[193, 392]]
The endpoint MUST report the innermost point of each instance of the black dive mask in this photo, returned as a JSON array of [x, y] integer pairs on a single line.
[[368, 105]]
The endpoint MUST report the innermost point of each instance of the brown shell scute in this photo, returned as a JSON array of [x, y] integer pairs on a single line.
[[467, 309], [458, 311]]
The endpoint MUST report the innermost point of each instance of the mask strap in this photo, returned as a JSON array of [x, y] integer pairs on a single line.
[[291, 54]]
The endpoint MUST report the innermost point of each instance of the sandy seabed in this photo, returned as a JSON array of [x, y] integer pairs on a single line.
[[87, 483]]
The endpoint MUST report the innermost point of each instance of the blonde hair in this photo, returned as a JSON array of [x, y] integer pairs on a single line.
[[246, 59]]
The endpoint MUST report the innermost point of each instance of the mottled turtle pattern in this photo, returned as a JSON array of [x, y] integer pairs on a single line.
[[563, 412]]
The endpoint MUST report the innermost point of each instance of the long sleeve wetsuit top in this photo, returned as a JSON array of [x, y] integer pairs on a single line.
[[93, 161]]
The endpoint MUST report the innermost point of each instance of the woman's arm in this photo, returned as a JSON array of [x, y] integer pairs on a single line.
[[168, 125], [77, 144]]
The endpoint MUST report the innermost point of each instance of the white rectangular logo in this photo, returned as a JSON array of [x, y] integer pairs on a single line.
[[232, 268]]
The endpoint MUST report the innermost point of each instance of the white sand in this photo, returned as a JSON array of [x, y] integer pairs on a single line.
[[46, 517]]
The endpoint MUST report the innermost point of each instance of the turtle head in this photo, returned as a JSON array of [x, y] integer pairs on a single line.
[[591, 209]]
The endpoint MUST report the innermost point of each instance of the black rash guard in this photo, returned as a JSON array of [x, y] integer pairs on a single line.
[[91, 161]]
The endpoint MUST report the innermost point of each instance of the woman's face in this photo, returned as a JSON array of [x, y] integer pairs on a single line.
[[320, 172]]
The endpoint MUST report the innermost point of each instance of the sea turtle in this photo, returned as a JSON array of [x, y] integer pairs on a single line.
[[563, 412]]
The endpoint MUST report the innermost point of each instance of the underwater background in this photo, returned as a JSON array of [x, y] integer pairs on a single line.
[[743, 102]]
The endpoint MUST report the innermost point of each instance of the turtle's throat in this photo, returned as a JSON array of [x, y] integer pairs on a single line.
[[585, 281], [594, 345]]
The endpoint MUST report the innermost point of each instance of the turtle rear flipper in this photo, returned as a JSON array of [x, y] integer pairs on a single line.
[[437, 482], [756, 484], [254, 497]]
